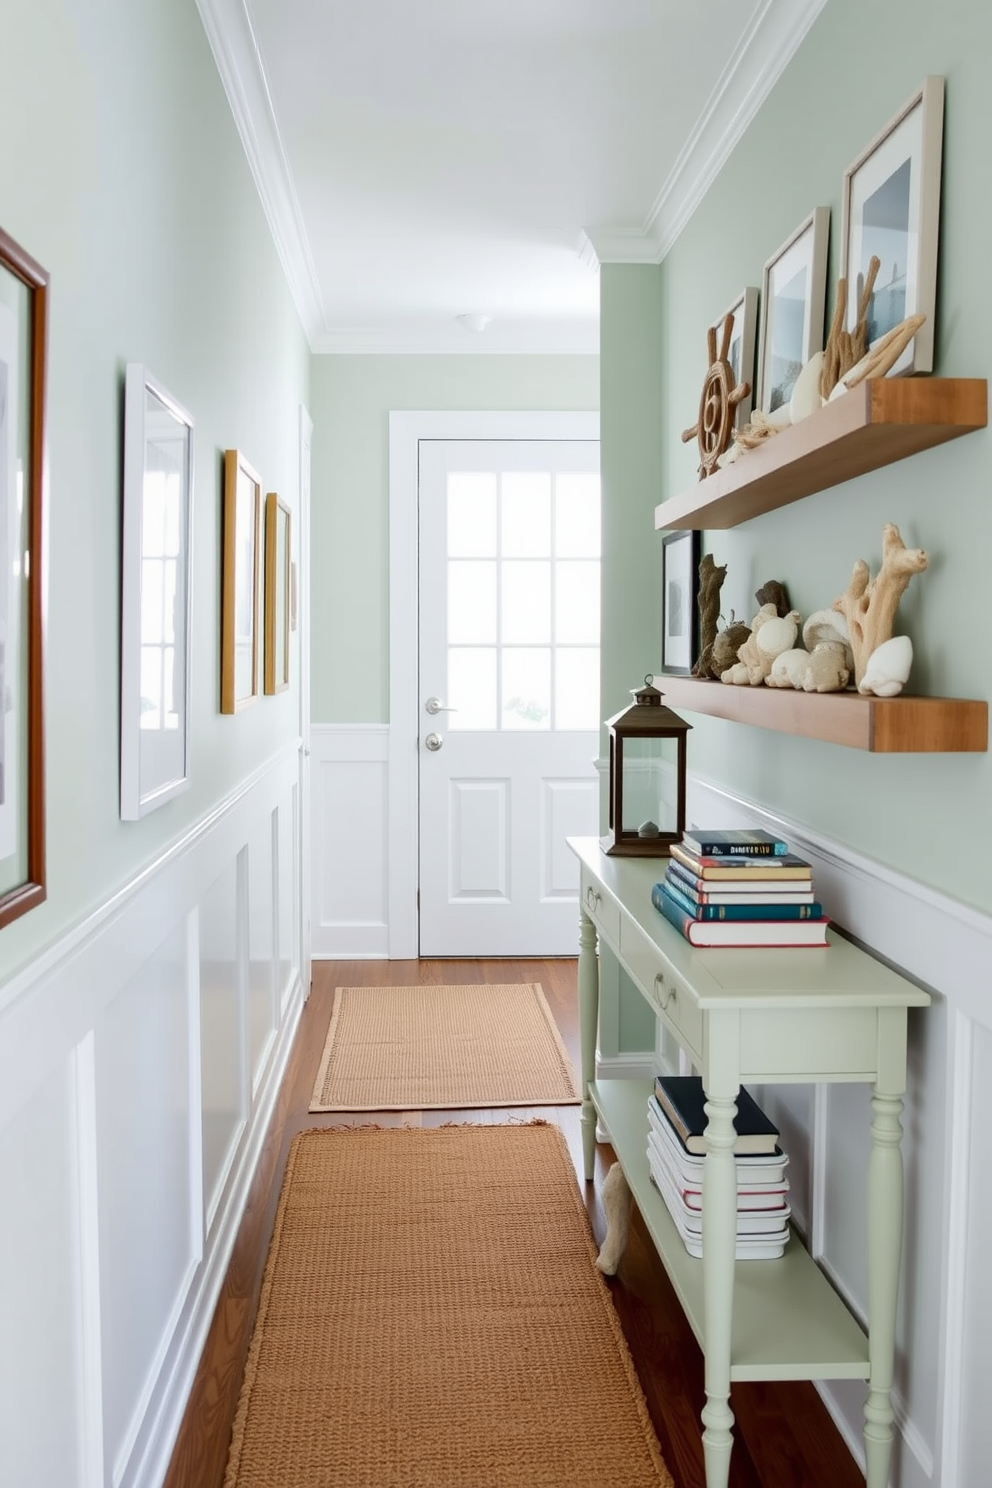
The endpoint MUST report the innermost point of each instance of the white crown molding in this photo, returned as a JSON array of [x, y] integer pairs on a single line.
[[772, 37], [563, 337], [231, 35]]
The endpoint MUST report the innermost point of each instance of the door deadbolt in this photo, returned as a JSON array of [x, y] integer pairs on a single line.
[[433, 742]]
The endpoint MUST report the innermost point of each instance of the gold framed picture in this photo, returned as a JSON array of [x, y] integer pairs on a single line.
[[277, 593], [240, 649]]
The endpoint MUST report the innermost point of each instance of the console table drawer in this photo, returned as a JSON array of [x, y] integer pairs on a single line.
[[666, 992], [604, 912]]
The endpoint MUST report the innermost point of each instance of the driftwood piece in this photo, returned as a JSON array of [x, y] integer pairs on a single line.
[[885, 353], [844, 348], [711, 577], [869, 605], [774, 592]]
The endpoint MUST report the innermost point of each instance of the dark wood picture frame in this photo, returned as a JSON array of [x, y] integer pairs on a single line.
[[29, 322], [680, 556]]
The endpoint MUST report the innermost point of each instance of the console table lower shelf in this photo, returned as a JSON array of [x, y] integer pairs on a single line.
[[788, 1322]]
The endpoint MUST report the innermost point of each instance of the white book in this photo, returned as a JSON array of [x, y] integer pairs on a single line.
[[766, 1204], [748, 1247]]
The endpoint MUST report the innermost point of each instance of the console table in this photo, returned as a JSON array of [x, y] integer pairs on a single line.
[[753, 1016]]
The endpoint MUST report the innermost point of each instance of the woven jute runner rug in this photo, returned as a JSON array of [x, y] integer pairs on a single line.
[[431, 1317], [443, 1048]]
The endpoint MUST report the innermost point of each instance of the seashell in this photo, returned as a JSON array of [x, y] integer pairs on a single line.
[[825, 626], [806, 392], [888, 667]]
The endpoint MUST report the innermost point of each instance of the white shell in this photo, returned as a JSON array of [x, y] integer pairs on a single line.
[[888, 667], [825, 626], [788, 669], [780, 419], [806, 392]]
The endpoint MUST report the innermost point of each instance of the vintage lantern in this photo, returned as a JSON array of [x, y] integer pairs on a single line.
[[647, 776]]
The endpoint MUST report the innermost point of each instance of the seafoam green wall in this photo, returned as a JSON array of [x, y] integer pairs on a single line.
[[926, 815], [351, 399], [123, 175]]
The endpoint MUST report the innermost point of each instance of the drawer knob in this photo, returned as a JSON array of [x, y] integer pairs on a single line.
[[593, 897]]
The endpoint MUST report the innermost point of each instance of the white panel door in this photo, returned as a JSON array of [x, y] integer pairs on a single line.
[[509, 535]]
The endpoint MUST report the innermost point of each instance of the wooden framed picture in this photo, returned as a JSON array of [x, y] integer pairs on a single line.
[[277, 593], [23, 335], [680, 555], [742, 342], [240, 640], [891, 210], [155, 595], [793, 300]]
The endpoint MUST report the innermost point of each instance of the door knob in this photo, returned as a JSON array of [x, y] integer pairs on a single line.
[[434, 705], [433, 742]]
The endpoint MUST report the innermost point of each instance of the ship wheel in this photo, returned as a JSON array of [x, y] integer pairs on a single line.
[[717, 403]]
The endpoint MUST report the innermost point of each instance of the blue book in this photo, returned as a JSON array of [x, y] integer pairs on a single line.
[[736, 933], [768, 890], [736, 911], [739, 844]]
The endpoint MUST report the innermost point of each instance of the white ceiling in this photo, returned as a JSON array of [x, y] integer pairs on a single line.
[[419, 160]]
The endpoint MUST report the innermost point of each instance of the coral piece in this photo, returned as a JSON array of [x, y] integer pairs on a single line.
[[723, 653], [711, 577], [717, 402], [760, 428], [828, 627], [869, 605], [789, 669], [888, 667], [770, 635]]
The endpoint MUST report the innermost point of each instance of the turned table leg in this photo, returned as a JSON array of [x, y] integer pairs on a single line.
[[588, 1028], [885, 1203], [719, 1259]]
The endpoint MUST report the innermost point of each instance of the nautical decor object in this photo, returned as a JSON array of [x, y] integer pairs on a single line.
[[647, 776]]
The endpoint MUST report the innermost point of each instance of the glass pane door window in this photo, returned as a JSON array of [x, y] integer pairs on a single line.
[[523, 592]]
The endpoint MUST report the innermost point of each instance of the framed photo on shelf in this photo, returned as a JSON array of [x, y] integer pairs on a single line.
[[155, 595], [240, 638], [23, 336], [742, 343], [680, 555], [278, 582], [793, 299], [891, 209]]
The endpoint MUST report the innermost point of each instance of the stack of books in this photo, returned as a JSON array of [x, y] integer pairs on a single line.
[[740, 888], [676, 1153]]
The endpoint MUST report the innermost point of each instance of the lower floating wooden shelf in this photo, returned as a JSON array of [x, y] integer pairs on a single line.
[[899, 725]]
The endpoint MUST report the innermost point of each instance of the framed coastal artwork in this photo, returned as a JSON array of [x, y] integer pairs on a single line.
[[793, 300], [742, 342], [891, 211], [155, 595], [23, 336], [680, 552], [240, 640], [278, 581]]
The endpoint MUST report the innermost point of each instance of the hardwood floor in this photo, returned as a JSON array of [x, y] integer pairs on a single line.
[[784, 1437]]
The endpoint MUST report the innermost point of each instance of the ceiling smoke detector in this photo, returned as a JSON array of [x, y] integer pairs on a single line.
[[474, 322]]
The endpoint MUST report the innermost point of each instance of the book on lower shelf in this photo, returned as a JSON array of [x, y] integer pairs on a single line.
[[683, 1101], [763, 1212], [758, 1173]]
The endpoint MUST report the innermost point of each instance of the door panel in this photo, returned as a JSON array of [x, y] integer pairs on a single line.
[[509, 691]]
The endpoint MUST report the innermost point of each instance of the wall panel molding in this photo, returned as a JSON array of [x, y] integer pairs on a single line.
[[352, 843], [113, 1005]]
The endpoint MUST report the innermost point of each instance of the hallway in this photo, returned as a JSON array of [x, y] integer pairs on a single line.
[[785, 1439]]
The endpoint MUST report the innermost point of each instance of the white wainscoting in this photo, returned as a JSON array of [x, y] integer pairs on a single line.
[[349, 769], [944, 1340], [140, 1058]]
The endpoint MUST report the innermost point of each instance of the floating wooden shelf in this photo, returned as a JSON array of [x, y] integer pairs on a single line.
[[899, 725], [878, 422]]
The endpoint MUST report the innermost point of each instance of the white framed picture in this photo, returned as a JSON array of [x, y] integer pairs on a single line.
[[891, 211], [793, 299]]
